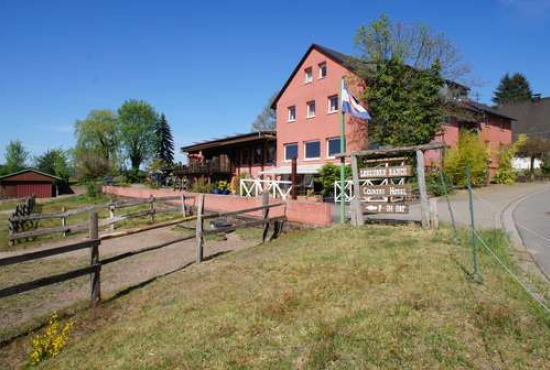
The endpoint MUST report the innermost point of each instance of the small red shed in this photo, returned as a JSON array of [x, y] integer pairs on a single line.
[[27, 182]]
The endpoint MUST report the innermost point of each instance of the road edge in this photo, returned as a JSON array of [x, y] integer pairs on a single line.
[[529, 264]]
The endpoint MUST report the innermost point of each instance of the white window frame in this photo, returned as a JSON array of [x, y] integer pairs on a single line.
[[289, 109], [328, 147], [308, 75], [285, 146], [330, 104], [308, 110], [321, 65], [306, 158]]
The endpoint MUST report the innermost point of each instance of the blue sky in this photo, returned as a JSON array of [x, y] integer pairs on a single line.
[[210, 66]]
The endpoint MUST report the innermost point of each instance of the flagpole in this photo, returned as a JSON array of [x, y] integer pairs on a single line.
[[342, 159]]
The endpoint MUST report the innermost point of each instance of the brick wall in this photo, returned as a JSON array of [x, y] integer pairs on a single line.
[[303, 212]]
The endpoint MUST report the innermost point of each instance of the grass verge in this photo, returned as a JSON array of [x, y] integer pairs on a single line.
[[372, 297]]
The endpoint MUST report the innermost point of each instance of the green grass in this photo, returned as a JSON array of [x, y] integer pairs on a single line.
[[342, 298], [71, 203]]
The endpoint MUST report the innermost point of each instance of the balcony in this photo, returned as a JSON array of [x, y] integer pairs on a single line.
[[209, 167]]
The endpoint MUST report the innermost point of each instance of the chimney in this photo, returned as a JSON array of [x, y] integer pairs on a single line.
[[536, 98]]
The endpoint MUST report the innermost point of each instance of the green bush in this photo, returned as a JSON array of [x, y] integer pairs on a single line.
[[545, 167], [201, 186], [329, 174], [93, 188], [434, 185], [469, 151], [506, 174]]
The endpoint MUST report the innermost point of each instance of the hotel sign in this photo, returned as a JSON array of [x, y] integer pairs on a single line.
[[385, 190], [385, 172]]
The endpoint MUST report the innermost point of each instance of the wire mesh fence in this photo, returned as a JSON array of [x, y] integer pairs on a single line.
[[477, 247]]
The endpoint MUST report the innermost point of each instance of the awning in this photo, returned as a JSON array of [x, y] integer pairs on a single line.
[[306, 169]]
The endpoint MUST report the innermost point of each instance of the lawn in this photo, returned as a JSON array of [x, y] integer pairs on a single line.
[[341, 298], [70, 203]]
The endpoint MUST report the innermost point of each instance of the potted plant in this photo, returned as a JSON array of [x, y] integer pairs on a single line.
[[223, 187]]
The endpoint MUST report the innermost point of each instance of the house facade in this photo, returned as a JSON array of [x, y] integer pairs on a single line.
[[308, 126]]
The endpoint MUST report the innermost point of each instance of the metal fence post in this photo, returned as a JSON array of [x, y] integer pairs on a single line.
[[94, 259], [64, 221], [476, 274]]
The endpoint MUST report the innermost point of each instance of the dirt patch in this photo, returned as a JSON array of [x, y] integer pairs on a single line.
[[130, 272]]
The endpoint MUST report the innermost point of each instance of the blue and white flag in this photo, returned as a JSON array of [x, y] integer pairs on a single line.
[[351, 105]]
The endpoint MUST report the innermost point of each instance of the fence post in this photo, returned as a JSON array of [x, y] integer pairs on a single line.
[[359, 220], [424, 202], [112, 215], [64, 221], [265, 214], [183, 205], [152, 207], [199, 228], [476, 275], [293, 179], [94, 260]]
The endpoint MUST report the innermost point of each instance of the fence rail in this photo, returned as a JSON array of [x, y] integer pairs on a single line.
[[256, 187], [165, 203], [94, 241]]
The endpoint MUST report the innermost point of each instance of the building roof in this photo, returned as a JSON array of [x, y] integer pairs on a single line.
[[27, 170], [533, 117], [233, 139], [479, 107], [354, 64]]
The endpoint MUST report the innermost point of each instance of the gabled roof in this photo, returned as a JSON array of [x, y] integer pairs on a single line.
[[29, 170], [233, 139], [353, 64], [533, 116], [475, 106]]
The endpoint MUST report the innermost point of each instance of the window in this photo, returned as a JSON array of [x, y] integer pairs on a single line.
[[322, 70], [333, 147], [312, 150], [308, 75], [311, 109], [291, 114], [333, 103], [291, 151], [245, 156]]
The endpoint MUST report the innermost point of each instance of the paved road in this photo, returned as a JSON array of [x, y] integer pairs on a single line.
[[532, 219]]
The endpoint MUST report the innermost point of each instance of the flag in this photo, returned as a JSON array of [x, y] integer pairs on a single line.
[[351, 105]]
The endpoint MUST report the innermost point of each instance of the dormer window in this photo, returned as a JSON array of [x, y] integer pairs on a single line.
[[308, 77], [323, 70]]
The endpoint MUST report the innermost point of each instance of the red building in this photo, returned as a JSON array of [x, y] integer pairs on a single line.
[[28, 182], [308, 125]]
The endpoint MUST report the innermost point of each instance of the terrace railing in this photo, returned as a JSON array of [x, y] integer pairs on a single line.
[[255, 187]]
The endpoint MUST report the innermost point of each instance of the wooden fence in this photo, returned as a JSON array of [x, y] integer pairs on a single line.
[[94, 269], [16, 232]]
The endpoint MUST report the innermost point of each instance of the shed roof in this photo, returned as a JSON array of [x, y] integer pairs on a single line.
[[232, 139], [28, 170]]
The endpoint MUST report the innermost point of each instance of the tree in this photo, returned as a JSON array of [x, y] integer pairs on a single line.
[[533, 148], [414, 44], [512, 89], [267, 119], [137, 123], [404, 103], [54, 162], [16, 157], [469, 151], [165, 149], [98, 132]]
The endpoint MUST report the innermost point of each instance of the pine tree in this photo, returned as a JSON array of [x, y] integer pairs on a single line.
[[512, 89], [165, 150]]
